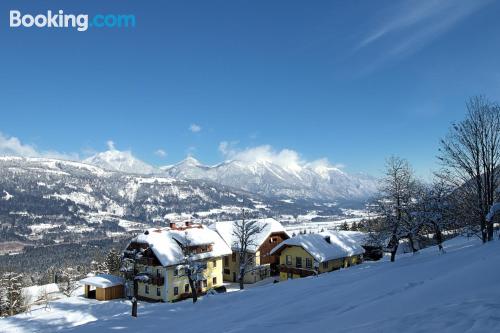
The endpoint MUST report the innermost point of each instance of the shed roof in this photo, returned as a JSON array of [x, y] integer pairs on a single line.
[[102, 281]]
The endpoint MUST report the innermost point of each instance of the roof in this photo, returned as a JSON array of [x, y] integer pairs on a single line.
[[269, 226], [102, 281], [167, 243], [341, 245]]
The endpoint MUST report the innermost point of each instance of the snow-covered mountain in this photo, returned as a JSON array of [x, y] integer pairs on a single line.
[[47, 200], [311, 181], [317, 180], [124, 161]]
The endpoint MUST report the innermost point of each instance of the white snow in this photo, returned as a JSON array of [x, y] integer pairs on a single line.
[[428, 292], [495, 209], [340, 245], [7, 196], [102, 281], [268, 226], [32, 294], [165, 243]]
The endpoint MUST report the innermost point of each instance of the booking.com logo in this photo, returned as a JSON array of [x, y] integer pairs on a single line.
[[80, 22]]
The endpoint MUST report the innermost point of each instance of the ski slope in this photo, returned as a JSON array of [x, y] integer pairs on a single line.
[[428, 292]]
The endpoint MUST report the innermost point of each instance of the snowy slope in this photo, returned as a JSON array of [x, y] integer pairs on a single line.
[[428, 292]]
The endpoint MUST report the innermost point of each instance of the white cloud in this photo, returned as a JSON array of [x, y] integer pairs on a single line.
[[195, 128], [111, 145], [285, 158], [12, 146], [161, 153], [408, 26]]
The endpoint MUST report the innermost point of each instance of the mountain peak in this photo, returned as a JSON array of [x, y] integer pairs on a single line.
[[190, 160], [117, 160]]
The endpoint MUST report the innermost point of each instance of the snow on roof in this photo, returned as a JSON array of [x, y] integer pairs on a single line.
[[102, 281], [495, 209], [341, 245], [166, 243], [269, 226], [359, 237]]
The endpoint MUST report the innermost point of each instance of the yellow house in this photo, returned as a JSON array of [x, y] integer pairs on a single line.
[[162, 255], [312, 254], [261, 264]]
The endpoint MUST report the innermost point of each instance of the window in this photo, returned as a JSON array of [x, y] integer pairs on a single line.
[[215, 263], [298, 262], [325, 264], [176, 272], [186, 288], [176, 291], [309, 263], [205, 283], [234, 257], [214, 281], [227, 271], [146, 289], [158, 292], [226, 261], [158, 272], [288, 260]]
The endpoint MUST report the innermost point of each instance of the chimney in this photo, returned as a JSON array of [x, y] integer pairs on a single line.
[[172, 225], [328, 240]]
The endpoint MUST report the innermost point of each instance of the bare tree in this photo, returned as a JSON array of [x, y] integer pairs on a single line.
[[433, 209], [245, 232], [470, 156], [393, 207], [193, 269]]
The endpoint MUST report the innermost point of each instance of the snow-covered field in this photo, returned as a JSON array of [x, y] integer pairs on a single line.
[[428, 292]]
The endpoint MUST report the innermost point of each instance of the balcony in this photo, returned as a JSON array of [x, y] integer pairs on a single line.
[[302, 272]]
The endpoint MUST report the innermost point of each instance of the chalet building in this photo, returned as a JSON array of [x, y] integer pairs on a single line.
[[262, 263], [312, 254], [163, 254]]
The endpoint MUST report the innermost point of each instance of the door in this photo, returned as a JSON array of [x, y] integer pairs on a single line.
[[234, 276]]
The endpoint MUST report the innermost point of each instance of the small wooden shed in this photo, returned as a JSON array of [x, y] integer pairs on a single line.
[[103, 287]]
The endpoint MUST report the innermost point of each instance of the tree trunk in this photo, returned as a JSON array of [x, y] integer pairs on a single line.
[[194, 292], [490, 231], [242, 274], [412, 244], [484, 230], [439, 237], [393, 253], [134, 300], [394, 242]]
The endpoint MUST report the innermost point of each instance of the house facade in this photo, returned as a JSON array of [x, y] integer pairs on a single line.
[[311, 254], [261, 263], [161, 256]]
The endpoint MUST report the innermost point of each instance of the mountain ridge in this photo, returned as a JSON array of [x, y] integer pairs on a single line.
[[317, 180]]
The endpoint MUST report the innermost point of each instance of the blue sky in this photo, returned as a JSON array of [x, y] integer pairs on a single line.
[[350, 81]]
